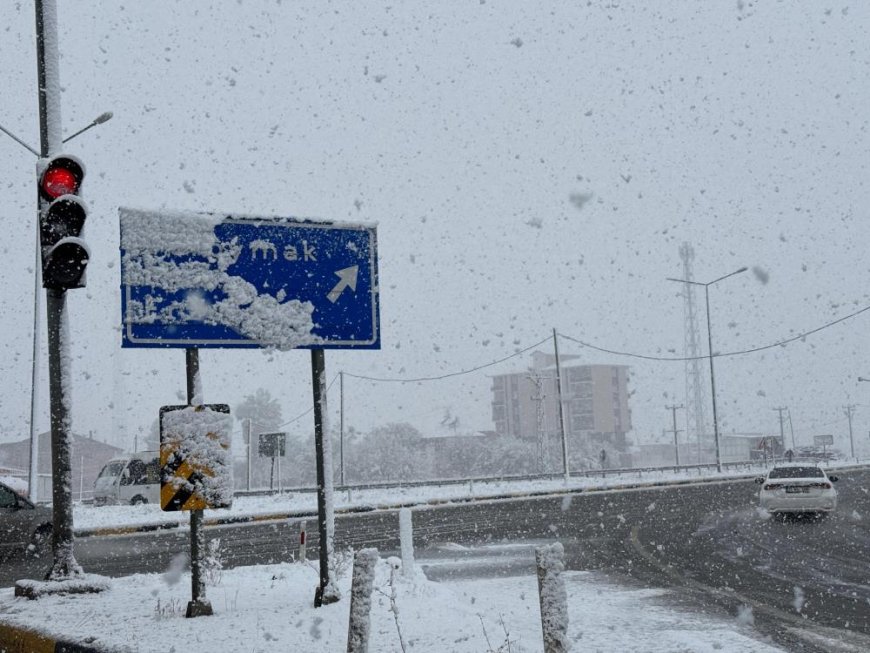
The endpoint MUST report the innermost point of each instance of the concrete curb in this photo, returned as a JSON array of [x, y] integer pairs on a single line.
[[16, 639]]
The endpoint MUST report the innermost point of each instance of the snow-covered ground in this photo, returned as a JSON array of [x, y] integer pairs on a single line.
[[269, 608], [89, 517]]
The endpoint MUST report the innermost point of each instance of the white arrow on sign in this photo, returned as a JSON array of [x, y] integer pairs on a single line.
[[346, 279]]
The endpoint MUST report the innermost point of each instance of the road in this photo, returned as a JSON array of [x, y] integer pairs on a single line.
[[805, 581]]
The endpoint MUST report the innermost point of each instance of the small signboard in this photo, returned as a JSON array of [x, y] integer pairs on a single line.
[[272, 445], [217, 280], [823, 440], [196, 467]]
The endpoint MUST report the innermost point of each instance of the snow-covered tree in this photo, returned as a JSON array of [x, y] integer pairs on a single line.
[[262, 409], [389, 452]]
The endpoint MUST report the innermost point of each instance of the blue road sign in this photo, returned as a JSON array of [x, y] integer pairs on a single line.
[[202, 280]]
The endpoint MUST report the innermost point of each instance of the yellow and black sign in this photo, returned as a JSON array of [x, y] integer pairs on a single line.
[[195, 460]]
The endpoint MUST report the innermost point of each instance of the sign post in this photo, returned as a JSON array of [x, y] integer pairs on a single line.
[[273, 445], [193, 280], [326, 592], [195, 469], [824, 441]]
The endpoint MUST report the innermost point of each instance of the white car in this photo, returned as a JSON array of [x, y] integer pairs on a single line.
[[795, 487]]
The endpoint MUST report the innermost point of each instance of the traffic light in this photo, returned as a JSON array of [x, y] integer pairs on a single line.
[[62, 217]]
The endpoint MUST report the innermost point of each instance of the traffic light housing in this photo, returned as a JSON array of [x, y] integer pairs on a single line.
[[62, 216]]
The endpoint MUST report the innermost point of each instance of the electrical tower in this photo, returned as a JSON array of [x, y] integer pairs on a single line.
[[696, 416]]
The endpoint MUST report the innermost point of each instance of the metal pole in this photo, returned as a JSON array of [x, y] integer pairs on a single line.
[[248, 429], [710, 352], [48, 65], [849, 410], [326, 591], [18, 140], [712, 380], [33, 478], [64, 565], [198, 605], [341, 428], [673, 410], [565, 468]]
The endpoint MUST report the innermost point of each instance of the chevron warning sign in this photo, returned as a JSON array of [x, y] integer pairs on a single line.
[[195, 460]]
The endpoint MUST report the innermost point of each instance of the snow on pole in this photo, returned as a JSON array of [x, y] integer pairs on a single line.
[[359, 625], [406, 539], [550, 562]]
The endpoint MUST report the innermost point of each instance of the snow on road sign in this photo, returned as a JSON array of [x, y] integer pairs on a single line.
[[205, 280], [196, 468]]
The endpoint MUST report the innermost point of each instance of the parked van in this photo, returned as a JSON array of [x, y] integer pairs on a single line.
[[131, 479]]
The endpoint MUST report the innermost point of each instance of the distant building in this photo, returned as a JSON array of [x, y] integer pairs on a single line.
[[87, 459], [595, 401], [739, 447]]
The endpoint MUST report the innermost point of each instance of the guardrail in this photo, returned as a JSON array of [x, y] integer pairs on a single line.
[[747, 465]]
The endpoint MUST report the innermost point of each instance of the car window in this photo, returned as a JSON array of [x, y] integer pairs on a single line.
[[112, 469], [8, 498], [796, 472], [152, 472], [136, 470]]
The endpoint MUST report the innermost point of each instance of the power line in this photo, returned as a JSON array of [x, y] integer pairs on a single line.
[[304, 413], [719, 355], [605, 350], [449, 374]]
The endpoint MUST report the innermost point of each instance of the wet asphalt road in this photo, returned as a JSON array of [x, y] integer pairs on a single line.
[[805, 580]]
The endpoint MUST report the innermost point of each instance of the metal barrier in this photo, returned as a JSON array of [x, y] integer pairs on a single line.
[[747, 465]]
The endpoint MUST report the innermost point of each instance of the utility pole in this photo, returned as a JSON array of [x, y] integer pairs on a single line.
[[565, 468], [673, 410], [781, 432], [849, 409]]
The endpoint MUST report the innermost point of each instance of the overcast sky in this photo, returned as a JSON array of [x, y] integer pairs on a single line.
[[528, 168]]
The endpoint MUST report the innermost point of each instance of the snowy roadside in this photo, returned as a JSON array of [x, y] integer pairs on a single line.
[[89, 518], [269, 608]]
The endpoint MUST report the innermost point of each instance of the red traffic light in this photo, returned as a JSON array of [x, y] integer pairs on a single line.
[[62, 176]]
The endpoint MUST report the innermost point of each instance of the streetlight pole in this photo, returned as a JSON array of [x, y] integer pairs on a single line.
[[849, 410], [33, 474], [706, 287]]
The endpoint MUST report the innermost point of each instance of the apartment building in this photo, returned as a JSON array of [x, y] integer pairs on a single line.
[[594, 399]]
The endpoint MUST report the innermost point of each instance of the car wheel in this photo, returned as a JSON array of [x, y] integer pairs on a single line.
[[39, 541], [138, 500]]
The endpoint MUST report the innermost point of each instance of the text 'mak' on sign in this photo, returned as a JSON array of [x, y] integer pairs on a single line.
[[206, 280], [196, 466]]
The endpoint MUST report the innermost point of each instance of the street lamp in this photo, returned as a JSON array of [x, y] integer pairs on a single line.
[[710, 352]]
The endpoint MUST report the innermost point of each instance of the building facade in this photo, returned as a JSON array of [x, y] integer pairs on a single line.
[[594, 399], [87, 457]]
